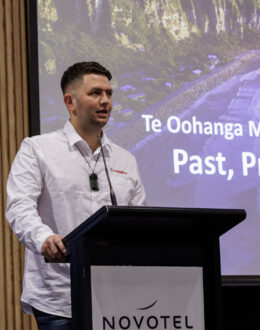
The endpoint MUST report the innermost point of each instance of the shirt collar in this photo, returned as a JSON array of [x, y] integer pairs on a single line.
[[74, 137]]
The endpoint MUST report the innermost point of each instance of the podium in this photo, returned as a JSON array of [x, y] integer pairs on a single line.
[[128, 251]]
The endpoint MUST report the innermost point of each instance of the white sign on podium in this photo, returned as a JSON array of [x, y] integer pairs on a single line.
[[144, 298]]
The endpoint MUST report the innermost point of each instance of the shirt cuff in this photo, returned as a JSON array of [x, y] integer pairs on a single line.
[[42, 237]]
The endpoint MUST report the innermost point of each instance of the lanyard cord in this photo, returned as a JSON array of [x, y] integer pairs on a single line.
[[93, 169], [93, 178]]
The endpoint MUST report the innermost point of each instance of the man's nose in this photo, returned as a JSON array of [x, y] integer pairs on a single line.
[[104, 98]]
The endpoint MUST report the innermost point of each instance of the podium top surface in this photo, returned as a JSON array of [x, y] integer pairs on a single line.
[[158, 220]]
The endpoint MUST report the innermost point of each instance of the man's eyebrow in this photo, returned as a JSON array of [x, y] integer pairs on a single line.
[[101, 89]]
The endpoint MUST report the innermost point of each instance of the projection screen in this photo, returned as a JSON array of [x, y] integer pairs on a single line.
[[186, 78]]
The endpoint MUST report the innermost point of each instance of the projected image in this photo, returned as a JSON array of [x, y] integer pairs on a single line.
[[186, 77]]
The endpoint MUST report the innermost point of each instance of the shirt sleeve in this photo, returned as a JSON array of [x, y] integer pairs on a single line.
[[138, 197], [24, 187]]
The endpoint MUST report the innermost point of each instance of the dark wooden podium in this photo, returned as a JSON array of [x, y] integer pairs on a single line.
[[149, 236]]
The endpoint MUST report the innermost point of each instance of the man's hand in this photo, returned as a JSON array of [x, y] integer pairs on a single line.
[[53, 248]]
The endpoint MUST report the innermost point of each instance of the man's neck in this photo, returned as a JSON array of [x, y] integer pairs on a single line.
[[92, 141], [90, 136]]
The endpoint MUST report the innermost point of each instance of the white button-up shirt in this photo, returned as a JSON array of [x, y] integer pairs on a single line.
[[48, 192]]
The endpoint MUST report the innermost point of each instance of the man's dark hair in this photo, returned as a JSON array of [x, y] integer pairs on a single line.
[[78, 70]]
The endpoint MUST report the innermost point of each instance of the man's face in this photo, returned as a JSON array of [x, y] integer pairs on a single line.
[[92, 102]]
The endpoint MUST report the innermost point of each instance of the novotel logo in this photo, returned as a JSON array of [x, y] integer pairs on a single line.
[[147, 321]]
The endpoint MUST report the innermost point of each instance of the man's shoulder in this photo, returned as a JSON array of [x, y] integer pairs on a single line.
[[46, 138], [52, 143]]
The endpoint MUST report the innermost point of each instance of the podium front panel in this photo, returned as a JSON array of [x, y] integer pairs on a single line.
[[175, 257]]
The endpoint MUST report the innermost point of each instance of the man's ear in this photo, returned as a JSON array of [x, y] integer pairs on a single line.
[[69, 102]]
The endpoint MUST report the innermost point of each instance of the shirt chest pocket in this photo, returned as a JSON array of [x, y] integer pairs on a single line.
[[123, 187]]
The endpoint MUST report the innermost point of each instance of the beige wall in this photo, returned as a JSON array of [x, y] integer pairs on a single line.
[[13, 128]]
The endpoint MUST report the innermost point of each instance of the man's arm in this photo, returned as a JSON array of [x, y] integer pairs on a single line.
[[24, 187], [138, 196]]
